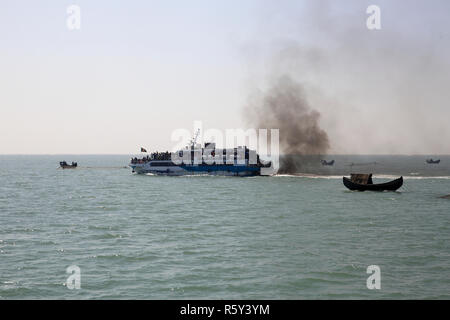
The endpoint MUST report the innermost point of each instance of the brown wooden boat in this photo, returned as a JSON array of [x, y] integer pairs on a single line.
[[363, 182]]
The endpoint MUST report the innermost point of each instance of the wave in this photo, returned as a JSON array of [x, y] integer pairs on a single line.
[[375, 176], [307, 175]]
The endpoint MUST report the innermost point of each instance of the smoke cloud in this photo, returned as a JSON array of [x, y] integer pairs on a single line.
[[285, 107], [330, 84]]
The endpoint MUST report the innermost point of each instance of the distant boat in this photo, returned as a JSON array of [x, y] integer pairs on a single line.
[[325, 163], [363, 182], [431, 161], [65, 165]]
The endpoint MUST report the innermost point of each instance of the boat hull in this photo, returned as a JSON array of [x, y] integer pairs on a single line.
[[182, 170], [388, 186]]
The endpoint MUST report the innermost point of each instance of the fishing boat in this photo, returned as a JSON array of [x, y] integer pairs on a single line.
[[65, 165], [431, 161], [363, 182], [327, 163]]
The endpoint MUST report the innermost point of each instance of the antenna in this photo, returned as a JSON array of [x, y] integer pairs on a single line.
[[194, 140]]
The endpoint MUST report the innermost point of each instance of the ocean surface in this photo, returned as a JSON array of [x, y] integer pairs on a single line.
[[302, 236]]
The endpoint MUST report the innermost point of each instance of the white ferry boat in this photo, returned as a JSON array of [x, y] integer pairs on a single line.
[[207, 160]]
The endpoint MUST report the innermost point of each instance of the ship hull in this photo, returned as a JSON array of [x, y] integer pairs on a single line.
[[182, 170]]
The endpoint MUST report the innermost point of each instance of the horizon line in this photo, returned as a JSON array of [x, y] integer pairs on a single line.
[[143, 153]]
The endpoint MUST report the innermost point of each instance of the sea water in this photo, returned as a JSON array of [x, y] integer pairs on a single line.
[[302, 236]]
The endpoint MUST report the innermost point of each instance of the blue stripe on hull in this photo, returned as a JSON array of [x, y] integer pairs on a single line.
[[213, 168], [223, 170], [240, 170]]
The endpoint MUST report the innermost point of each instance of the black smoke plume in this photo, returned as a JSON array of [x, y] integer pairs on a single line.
[[285, 107]]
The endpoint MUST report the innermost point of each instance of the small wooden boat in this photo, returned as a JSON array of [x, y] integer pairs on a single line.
[[65, 165], [431, 161], [363, 182], [325, 163]]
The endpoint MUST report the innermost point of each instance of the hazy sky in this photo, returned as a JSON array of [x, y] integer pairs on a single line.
[[137, 70]]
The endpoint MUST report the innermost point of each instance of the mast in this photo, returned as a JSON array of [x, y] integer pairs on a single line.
[[194, 140]]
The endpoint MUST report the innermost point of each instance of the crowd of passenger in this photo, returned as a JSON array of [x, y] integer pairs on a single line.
[[166, 156], [151, 157], [160, 155]]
